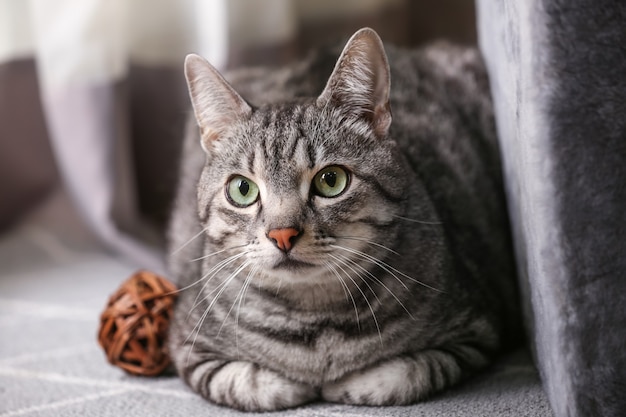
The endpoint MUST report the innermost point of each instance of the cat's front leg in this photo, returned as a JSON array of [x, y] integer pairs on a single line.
[[247, 386], [401, 380]]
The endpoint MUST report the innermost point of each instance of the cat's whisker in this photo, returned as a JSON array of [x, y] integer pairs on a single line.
[[222, 287], [340, 262], [346, 289], [367, 301], [379, 282], [280, 284], [219, 289], [360, 239], [211, 273], [416, 221], [194, 237], [217, 253], [368, 272], [385, 266], [245, 287], [220, 264], [343, 286], [234, 274]]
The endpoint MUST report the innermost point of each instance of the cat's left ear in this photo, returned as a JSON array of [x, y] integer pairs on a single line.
[[360, 81], [215, 103]]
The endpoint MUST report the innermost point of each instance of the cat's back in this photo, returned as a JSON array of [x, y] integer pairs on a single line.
[[443, 121]]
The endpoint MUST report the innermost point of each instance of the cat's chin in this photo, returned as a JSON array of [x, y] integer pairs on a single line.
[[294, 270]]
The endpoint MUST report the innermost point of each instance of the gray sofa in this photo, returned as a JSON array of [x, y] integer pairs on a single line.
[[558, 76]]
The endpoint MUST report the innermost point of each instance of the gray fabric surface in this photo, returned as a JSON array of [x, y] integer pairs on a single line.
[[52, 291], [557, 69]]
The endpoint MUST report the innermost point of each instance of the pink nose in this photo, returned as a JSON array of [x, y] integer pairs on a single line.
[[283, 238]]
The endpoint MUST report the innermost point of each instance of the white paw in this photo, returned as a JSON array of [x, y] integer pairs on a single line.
[[248, 387], [399, 381], [385, 384]]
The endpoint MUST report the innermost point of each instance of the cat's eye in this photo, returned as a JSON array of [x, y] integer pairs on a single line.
[[241, 191], [331, 181]]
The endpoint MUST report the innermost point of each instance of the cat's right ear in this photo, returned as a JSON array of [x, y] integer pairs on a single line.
[[359, 84], [215, 103]]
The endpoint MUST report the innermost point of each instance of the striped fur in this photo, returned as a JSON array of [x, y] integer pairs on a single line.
[[397, 288]]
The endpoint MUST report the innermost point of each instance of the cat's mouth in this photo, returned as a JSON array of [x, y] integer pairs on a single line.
[[291, 264]]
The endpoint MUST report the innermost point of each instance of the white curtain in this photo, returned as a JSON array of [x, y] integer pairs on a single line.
[[83, 49]]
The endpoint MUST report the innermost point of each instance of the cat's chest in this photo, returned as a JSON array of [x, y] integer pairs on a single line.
[[310, 349]]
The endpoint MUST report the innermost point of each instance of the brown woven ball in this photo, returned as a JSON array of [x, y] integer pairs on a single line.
[[133, 326]]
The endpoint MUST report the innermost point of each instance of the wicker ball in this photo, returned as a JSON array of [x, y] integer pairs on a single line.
[[133, 326]]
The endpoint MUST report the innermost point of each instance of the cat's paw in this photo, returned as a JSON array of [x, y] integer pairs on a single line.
[[248, 387], [384, 384], [399, 381]]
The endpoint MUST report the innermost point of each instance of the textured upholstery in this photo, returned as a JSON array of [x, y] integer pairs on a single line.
[[558, 74]]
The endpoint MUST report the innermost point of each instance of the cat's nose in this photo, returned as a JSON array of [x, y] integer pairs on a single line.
[[284, 239]]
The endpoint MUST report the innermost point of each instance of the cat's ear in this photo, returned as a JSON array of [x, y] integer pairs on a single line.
[[360, 82], [215, 103]]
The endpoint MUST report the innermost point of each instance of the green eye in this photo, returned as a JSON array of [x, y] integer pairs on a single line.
[[241, 191], [331, 181]]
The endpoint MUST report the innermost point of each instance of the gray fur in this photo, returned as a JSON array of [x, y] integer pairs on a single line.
[[430, 297]]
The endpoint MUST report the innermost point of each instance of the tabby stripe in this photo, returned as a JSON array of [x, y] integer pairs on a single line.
[[311, 155], [201, 375], [267, 120], [206, 213], [436, 372], [469, 355], [371, 221], [303, 337], [297, 116], [250, 162], [219, 241], [265, 138], [232, 218], [292, 148], [382, 190], [303, 137], [307, 337]]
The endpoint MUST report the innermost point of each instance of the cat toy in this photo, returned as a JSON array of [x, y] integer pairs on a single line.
[[133, 326]]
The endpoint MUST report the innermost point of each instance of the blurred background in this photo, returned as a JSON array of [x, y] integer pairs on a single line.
[[93, 100]]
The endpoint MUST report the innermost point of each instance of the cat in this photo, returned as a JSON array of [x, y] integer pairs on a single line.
[[343, 240]]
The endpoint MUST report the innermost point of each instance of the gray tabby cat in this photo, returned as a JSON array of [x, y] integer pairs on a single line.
[[326, 250]]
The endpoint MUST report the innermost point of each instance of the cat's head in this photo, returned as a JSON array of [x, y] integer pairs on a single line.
[[306, 190]]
